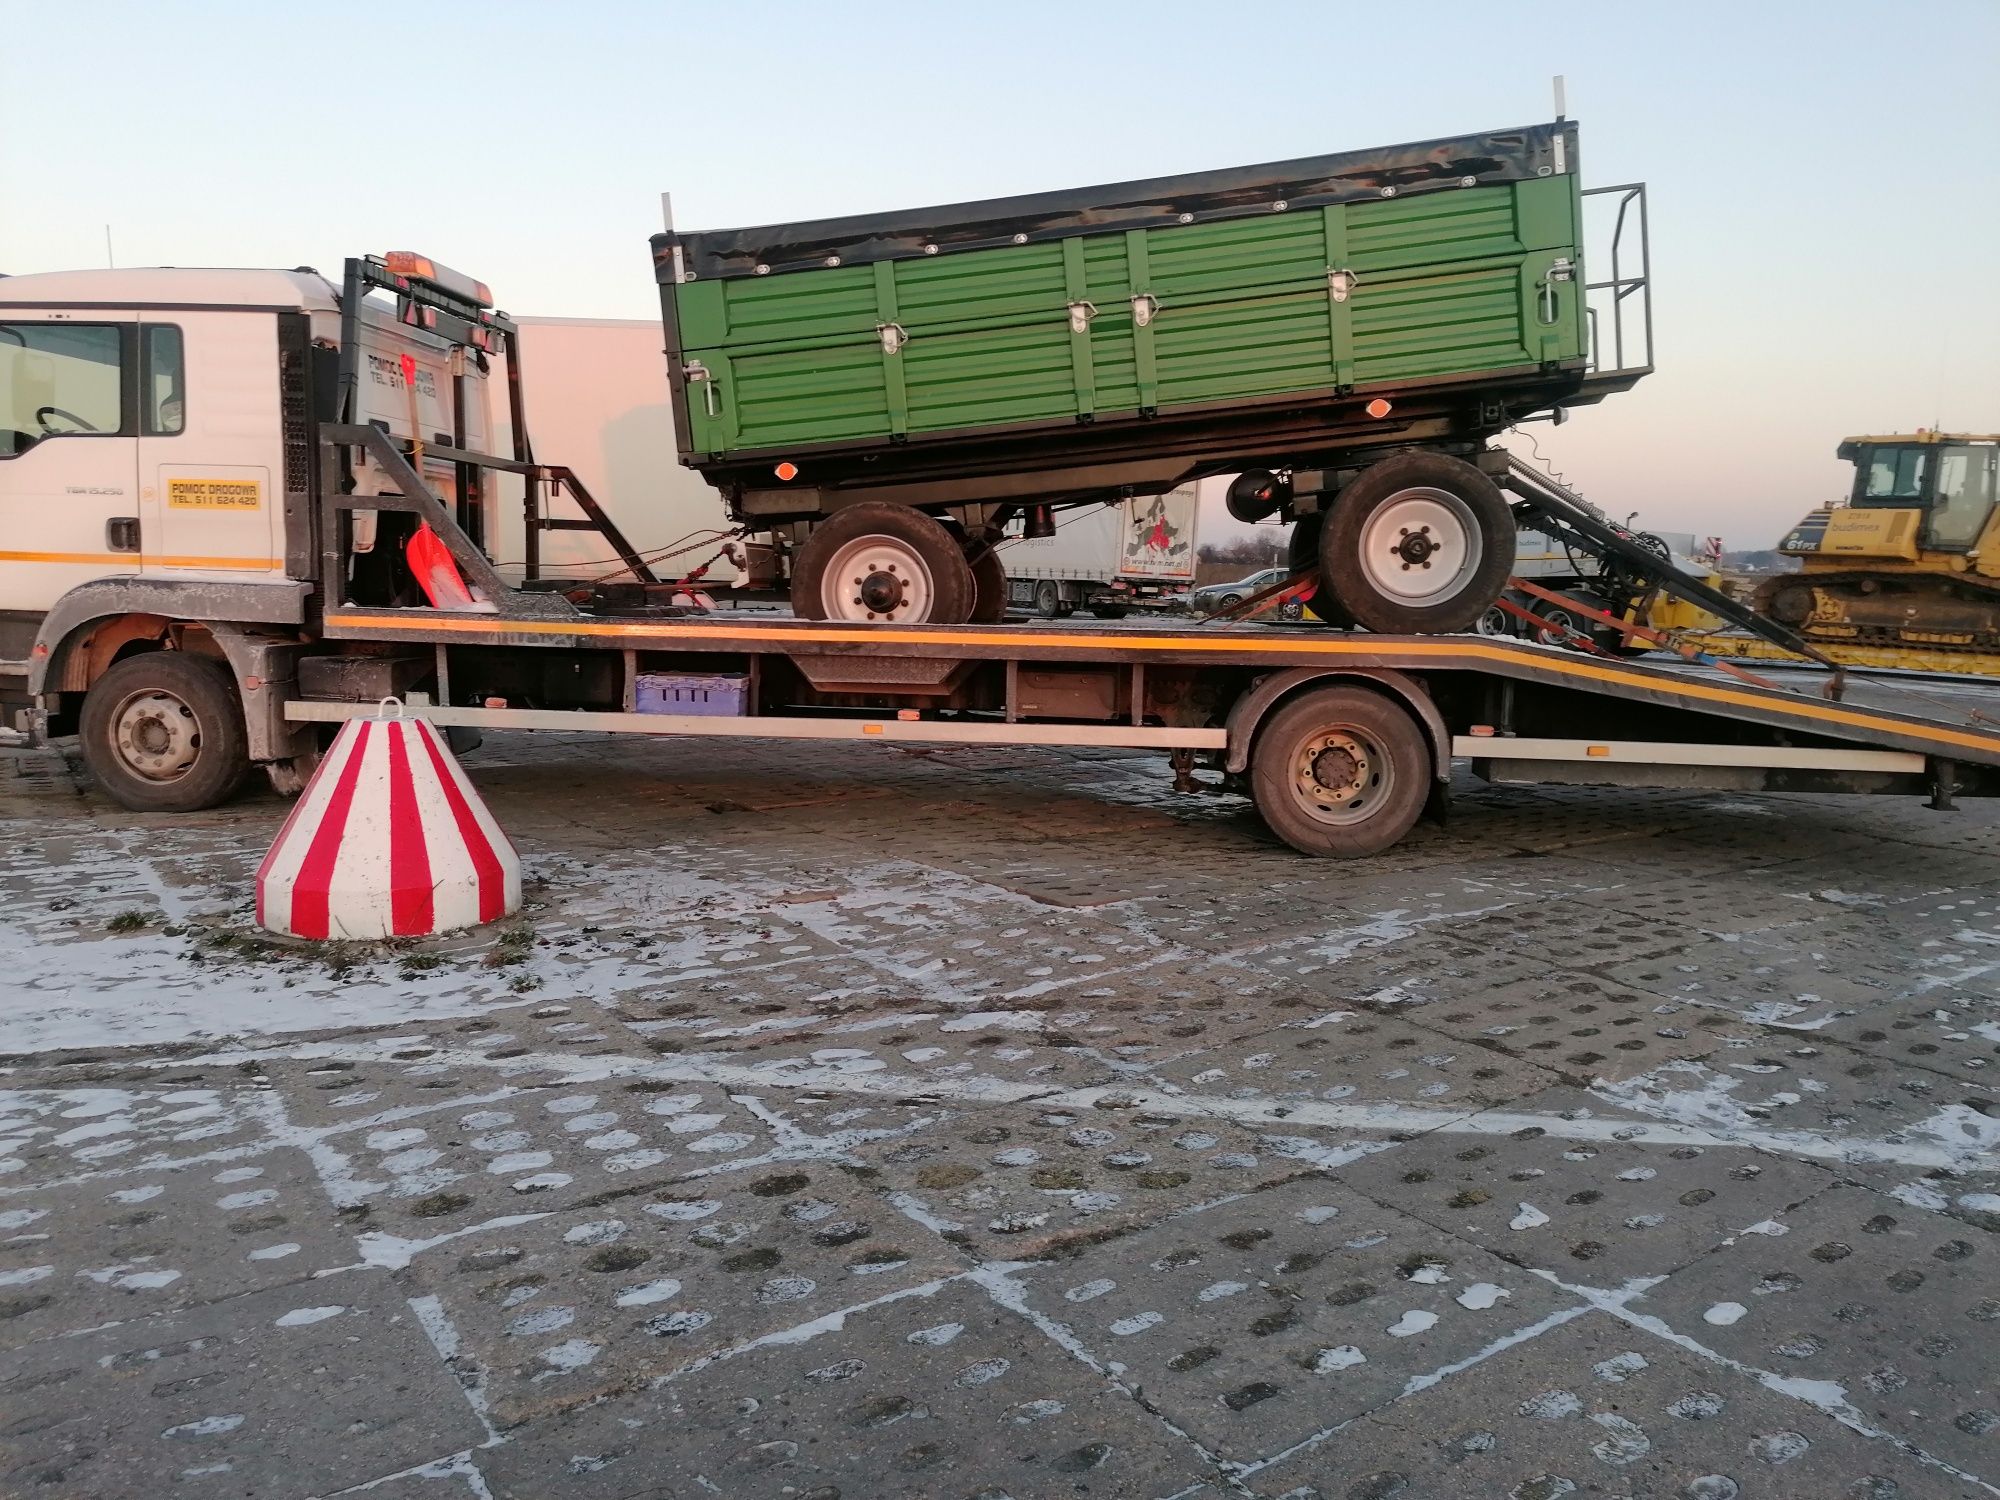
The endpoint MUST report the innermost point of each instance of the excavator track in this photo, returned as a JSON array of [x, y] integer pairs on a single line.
[[1932, 612]]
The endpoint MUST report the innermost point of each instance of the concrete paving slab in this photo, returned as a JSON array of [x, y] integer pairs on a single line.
[[288, 1391], [1603, 1208], [1594, 1408], [1876, 1310], [1261, 1321]]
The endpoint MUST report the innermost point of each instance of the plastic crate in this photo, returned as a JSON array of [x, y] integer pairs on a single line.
[[711, 694]]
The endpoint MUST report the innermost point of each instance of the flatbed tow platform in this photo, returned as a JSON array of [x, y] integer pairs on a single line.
[[1344, 738]]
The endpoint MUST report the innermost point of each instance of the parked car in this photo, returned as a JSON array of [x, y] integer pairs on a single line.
[[1223, 595]]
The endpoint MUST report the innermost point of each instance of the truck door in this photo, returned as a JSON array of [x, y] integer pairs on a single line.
[[211, 440], [69, 504]]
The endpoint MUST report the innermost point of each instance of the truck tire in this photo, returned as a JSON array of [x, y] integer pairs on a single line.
[[1110, 611], [1419, 544], [1048, 599], [163, 732], [879, 563], [1340, 772], [989, 588]]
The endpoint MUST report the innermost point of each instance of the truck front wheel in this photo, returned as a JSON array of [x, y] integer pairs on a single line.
[[163, 732], [1419, 544], [1340, 772], [879, 563]]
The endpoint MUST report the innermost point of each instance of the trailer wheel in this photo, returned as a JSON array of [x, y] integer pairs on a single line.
[[163, 732], [1110, 611], [1302, 551], [1559, 624], [881, 563], [1420, 544], [1340, 772], [1048, 599], [989, 588]]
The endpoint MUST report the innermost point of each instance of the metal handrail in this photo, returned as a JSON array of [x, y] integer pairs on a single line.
[[1622, 286]]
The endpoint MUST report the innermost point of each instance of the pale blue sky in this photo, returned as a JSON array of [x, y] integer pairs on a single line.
[[1825, 177]]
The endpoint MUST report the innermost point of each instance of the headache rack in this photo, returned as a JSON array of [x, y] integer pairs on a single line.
[[456, 310]]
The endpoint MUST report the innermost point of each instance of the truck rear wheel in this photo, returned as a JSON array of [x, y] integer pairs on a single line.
[[880, 563], [163, 732], [1419, 544], [1340, 772]]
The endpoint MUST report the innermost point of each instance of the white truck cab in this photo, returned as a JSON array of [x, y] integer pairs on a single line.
[[159, 460]]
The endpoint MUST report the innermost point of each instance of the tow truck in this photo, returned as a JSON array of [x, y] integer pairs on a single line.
[[239, 507]]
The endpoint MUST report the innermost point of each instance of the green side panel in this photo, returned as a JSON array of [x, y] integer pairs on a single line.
[[1446, 284]]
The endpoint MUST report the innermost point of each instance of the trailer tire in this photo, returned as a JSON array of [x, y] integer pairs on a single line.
[[1048, 599], [1110, 611], [1340, 772], [911, 570], [989, 588], [1302, 551], [1418, 544], [163, 732]]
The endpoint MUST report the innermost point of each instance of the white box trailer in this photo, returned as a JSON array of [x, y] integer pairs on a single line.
[[597, 394], [1108, 559]]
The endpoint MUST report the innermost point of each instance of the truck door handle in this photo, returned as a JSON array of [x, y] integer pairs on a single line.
[[121, 534]]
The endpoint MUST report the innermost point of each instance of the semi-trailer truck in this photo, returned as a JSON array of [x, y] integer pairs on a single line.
[[1108, 559]]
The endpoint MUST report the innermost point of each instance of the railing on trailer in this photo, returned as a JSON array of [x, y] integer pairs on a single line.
[[1631, 197]]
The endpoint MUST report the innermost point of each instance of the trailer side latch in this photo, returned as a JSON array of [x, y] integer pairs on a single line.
[[1080, 314], [698, 373], [1340, 284], [893, 336]]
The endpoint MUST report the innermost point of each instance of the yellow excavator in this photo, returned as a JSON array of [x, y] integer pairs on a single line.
[[1912, 561]]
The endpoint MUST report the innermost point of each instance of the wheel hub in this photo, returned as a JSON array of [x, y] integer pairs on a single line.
[[157, 735], [1416, 548], [1340, 777], [880, 592], [1338, 769]]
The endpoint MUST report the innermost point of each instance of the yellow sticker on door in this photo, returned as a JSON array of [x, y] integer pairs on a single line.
[[214, 494]]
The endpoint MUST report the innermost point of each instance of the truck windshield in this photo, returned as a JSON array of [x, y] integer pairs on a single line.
[[1965, 492]]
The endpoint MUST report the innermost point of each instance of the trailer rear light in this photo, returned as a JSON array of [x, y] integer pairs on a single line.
[[1597, 750], [787, 472], [1378, 408]]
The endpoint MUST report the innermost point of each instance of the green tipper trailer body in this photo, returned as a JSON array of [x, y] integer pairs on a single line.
[[1101, 342]]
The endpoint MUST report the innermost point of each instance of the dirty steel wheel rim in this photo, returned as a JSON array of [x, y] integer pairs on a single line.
[[1557, 628], [877, 578], [1421, 546], [1341, 777], [156, 735]]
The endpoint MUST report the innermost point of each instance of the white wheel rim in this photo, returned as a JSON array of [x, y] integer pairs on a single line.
[[1421, 546], [156, 735], [877, 578], [1496, 621], [1340, 777]]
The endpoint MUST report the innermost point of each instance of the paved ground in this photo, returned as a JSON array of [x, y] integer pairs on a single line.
[[857, 1122]]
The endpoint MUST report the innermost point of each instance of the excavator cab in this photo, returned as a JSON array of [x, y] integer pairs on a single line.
[[1950, 479]]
